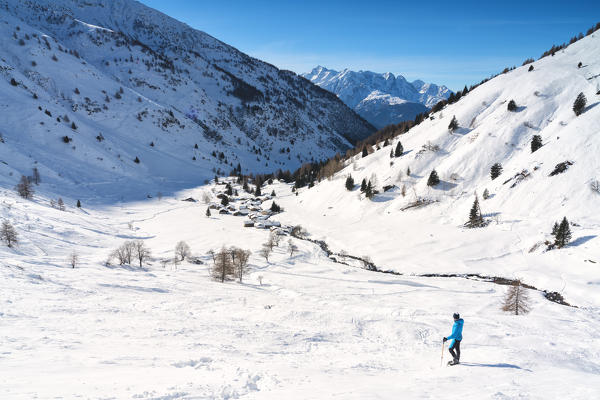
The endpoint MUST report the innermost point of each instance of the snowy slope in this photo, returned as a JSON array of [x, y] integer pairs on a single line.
[[135, 77], [381, 99], [432, 239], [313, 329]]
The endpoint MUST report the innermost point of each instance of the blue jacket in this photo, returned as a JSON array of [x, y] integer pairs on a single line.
[[457, 330]]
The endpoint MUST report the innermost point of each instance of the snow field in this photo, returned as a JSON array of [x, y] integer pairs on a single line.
[[314, 329]]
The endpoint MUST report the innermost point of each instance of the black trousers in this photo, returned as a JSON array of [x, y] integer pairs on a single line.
[[455, 347]]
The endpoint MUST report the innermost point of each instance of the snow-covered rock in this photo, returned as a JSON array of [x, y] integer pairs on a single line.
[[381, 99]]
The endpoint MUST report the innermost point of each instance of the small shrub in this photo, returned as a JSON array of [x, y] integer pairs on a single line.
[[512, 106]]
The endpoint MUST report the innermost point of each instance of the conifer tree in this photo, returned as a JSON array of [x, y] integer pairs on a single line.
[[536, 143], [563, 234], [496, 170], [399, 150], [78, 204], [369, 191], [363, 185], [365, 152], [392, 153], [512, 106], [475, 217], [257, 192], [579, 104], [349, 183], [434, 179], [407, 171], [486, 194]]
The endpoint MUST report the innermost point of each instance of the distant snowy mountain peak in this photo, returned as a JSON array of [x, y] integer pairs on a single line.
[[185, 104], [357, 88]]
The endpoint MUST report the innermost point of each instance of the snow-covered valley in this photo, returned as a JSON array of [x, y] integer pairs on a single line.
[[313, 329], [112, 129]]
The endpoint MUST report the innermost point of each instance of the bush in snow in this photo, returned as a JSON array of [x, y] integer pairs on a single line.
[[486, 194], [530, 68], [299, 232], [349, 183], [496, 170], [579, 104], [595, 185], [24, 188], [182, 250], [512, 106], [453, 124], [536, 143], [13, 82], [516, 299], [8, 234], [225, 201], [61, 204], [433, 179]]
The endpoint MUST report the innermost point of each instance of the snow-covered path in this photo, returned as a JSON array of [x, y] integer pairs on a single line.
[[313, 329]]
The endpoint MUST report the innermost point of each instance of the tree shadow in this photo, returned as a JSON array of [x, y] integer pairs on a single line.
[[521, 108], [588, 108], [445, 185], [582, 240], [499, 365]]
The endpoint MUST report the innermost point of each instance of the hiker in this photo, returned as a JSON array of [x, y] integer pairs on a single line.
[[456, 337]]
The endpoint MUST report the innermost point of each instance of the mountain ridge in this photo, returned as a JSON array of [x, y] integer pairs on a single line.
[[406, 99]]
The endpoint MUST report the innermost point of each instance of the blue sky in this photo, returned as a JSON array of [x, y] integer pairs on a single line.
[[446, 42]]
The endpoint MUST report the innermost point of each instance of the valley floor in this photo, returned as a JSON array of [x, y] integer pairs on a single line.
[[313, 329]]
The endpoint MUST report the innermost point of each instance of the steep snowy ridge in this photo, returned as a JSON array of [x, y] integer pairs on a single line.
[[524, 201], [133, 77], [362, 91]]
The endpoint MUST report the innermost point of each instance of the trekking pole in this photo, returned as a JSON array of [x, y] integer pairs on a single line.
[[442, 358]]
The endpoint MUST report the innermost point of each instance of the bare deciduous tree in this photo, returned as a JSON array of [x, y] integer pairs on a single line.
[[516, 299], [212, 255], [266, 251], [61, 204], [292, 248], [223, 267], [141, 252], [182, 250], [206, 197], [8, 234], [24, 188], [240, 259], [73, 259]]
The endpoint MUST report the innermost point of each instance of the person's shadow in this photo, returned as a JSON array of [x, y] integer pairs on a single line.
[[500, 365]]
